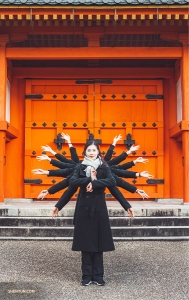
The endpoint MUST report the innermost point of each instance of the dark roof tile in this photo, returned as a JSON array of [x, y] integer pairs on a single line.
[[93, 2]]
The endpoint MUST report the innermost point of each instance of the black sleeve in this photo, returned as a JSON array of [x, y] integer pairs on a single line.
[[123, 173], [76, 181], [118, 159], [74, 155], [108, 181], [109, 153], [58, 187], [125, 166], [119, 196], [61, 172], [64, 159], [61, 165], [125, 185], [65, 198]]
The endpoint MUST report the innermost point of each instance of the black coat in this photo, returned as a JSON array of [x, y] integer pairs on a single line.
[[92, 231]]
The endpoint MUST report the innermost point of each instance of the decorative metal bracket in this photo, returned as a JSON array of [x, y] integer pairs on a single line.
[[59, 141], [129, 142], [33, 181], [154, 96], [91, 138], [34, 96], [92, 81], [155, 181]]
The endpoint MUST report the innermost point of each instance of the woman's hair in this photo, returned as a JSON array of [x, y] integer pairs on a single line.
[[97, 146]]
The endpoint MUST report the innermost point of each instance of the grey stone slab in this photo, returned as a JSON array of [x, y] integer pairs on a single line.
[[13, 212], [169, 201], [3, 212], [155, 212], [183, 212], [139, 212], [66, 212], [17, 200]]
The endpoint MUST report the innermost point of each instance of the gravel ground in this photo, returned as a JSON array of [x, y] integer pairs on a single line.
[[137, 270]]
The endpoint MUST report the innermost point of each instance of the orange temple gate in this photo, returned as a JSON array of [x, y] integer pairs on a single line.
[[94, 70]]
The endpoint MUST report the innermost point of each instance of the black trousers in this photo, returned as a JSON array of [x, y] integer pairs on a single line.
[[92, 265]]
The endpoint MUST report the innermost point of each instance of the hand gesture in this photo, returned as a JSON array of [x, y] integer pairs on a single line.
[[93, 174], [130, 212], [134, 148], [43, 157], [55, 212], [116, 139], [89, 187], [40, 172], [66, 137], [48, 149], [142, 194], [146, 174], [42, 194], [141, 160]]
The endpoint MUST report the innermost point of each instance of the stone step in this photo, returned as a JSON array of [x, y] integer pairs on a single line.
[[117, 232], [29, 211], [114, 221]]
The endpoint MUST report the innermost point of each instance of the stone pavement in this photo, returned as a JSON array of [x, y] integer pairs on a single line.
[[42, 270]]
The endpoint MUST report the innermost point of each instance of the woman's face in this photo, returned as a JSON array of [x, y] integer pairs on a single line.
[[92, 152]]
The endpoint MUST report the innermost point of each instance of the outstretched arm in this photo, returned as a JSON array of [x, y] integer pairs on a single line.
[[73, 152], [130, 188], [132, 163], [121, 157], [109, 153], [54, 189], [61, 165], [130, 174], [64, 199]]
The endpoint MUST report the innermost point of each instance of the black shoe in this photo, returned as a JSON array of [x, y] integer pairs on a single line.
[[86, 281], [100, 281]]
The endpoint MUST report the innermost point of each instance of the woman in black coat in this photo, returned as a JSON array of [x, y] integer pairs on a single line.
[[92, 233]]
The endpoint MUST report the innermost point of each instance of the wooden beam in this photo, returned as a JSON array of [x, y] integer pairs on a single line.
[[94, 53], [93, 73]]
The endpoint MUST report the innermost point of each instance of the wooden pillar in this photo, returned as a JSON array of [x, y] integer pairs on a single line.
[[185, 114], [3, 80]]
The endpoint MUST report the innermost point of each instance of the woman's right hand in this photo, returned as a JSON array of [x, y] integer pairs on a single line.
[[42, 194], [66, 137], [55, 212], [142, 193]]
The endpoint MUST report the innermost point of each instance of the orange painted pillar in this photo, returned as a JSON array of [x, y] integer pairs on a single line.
[[185, 114], [3, 80]]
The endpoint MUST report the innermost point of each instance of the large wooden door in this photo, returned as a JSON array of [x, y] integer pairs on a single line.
[[62, 106], [104, 110], [134, 107]]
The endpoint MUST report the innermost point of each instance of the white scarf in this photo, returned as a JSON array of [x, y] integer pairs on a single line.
[[91, 163]]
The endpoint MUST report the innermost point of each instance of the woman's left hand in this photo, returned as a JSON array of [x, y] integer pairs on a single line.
[[130, 212], [93, 174], [89, 187], [146, 174], [140, 160]]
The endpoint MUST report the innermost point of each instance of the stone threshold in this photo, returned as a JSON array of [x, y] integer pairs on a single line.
[[141, 209]]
